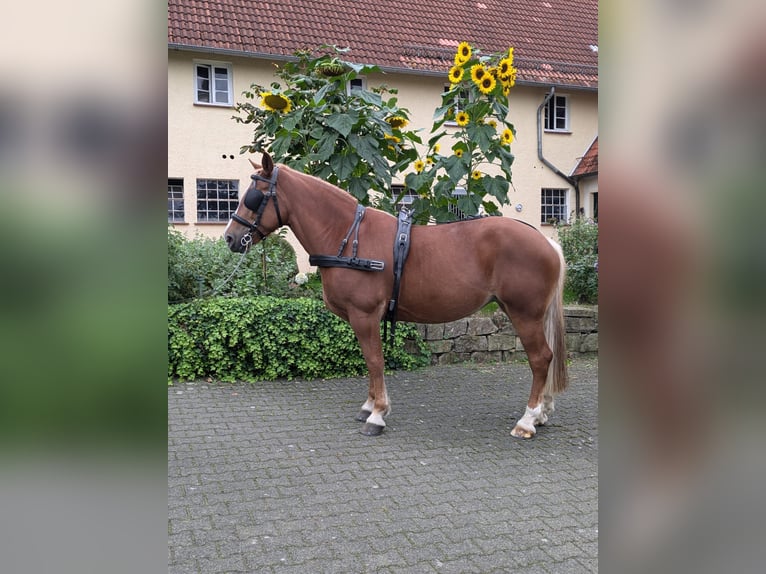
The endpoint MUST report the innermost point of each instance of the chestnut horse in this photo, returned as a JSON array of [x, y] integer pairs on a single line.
[[452, 271]]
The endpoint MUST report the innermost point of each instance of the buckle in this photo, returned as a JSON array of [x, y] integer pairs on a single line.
[[377, 265]]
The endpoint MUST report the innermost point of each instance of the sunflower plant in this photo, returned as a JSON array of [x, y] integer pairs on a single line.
[[472, 119], [357, 139]]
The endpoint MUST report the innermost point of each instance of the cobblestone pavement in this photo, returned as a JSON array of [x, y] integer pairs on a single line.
[[275, 477]]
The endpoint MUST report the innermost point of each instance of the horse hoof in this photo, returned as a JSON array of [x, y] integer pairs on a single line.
[[362, 416], [520, 432], [371, 429]]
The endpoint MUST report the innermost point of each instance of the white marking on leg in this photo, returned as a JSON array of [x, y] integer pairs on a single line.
[[369, 405], [531, 418], [376, 418], [548, 406]]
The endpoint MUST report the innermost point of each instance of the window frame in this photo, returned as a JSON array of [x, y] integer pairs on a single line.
[[407, 198], [350, 89], [554, 105], [463, 96], [174, 201], [232, 202], [211, 65], [545, 217]]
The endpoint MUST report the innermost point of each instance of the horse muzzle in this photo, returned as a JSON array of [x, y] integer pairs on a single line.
[[241, 245]]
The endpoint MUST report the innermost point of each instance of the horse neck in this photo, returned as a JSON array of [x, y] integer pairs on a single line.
[[320, 213]]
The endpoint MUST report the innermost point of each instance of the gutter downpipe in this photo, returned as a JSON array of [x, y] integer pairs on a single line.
[[570, 180]]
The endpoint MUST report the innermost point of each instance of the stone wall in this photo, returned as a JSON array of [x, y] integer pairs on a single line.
[[491, 337]]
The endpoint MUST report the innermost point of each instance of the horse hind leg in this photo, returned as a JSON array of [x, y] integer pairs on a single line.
[[540, 404]]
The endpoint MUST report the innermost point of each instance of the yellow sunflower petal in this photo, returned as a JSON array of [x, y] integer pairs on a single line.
[[455, 74], [487, 84], [463, 53]]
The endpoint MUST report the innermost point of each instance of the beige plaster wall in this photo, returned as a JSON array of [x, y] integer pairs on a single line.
[[198, 136]]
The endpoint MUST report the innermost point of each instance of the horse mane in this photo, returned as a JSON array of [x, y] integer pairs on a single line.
[[321, 184]]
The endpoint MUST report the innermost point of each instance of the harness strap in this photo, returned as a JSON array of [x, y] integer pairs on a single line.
[[348, 262], [352, 262], [401, 251]]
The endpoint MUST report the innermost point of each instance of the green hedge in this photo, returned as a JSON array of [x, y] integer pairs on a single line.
[[265, 338], [579, 241]]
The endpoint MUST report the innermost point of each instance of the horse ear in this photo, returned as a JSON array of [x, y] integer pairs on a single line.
[[268, 164], [256, 166]]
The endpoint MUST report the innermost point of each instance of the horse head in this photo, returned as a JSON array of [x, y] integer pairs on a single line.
[[253, 214]]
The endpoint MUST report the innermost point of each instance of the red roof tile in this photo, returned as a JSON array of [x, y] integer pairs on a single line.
[[552, 39], [588, 164]]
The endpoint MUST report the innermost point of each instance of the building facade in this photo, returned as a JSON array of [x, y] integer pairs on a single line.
[[554, 107]]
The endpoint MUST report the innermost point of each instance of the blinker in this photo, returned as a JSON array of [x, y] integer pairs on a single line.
[[253, 199]]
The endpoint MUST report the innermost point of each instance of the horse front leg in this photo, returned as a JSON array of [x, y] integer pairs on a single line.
[[376, 406]]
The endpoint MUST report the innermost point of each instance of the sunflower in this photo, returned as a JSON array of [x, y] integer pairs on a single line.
[[478, 71], [437, 147], [506, 90], [276, 102], [507, 136], [418, 165], [462, 119], [463, 53], [393, 138], [455, 74], [487, 84], [429, 161], [397, 122], [504, 67], [459, 152], [476, 175], [492, 122], [510, 78]]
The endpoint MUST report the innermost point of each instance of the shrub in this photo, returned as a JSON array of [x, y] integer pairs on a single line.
[[265, 338], [579, 242], [267, 269]]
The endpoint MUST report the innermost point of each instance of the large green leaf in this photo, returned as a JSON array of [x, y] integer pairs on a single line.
[[343, 123], [497, 187], [369, 97], [343, 164], [481, 134], [326, 147], [322, 92], [281, 145], [456, 168]]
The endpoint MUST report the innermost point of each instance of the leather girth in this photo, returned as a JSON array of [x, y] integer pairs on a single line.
[[401, 250]]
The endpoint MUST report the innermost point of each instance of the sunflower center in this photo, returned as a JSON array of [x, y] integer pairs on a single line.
[[276, 101]]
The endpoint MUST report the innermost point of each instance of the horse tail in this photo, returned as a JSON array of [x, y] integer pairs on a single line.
[[555, 335]]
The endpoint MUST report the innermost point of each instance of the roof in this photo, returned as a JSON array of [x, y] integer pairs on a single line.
[[555, 41], [588, 164]]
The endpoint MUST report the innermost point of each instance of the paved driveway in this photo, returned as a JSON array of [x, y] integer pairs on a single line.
[[274, 476]]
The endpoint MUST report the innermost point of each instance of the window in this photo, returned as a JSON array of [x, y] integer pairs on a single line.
[[460, 101], [212, 84], [356, 84], [217, 199], [595, 206], [407, 198], [553, 206], [556, 114], [453, 208], [175, 200]]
